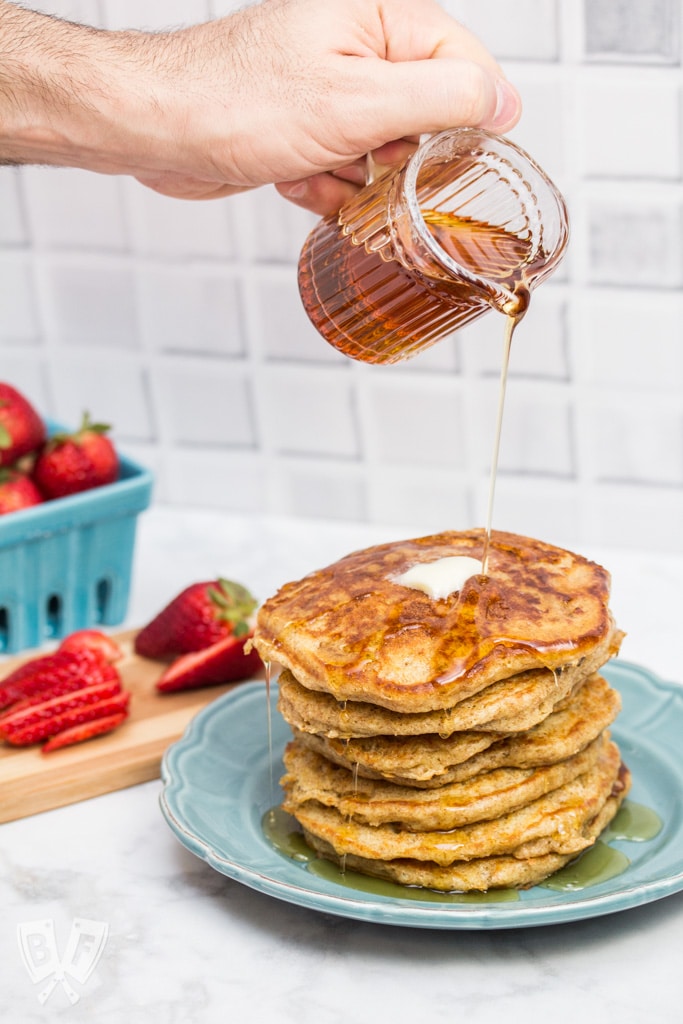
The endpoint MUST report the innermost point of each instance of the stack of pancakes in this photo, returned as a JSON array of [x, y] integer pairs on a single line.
[[457, 743]]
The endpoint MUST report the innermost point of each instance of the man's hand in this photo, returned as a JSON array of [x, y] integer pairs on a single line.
[[290, 92]]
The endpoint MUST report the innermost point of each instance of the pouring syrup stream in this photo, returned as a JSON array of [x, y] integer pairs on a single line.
[[511, 322]]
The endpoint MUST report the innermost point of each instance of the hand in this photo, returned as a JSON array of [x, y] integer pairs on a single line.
[[290, 92]]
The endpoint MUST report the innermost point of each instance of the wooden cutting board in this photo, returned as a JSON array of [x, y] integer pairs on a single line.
[[31, 781]]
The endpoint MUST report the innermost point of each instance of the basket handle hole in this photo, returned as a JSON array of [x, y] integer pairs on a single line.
[[4, 629], [53, 618], [102, 598]]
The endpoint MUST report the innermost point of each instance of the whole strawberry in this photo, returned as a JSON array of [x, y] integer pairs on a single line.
[[21, 429], [17, 491], [198, 617], [70, 463]]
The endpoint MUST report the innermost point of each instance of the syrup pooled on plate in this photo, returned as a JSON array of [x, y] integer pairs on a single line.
[[633, 822], [283, 833]]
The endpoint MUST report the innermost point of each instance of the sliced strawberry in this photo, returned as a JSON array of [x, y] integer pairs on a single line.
[[92, 640], [198, 617], [27, 668], [54, 661], [42, 674], [79, 733], [109, 676], [64, 691], [224, 662], [25, 736], [32, 711]]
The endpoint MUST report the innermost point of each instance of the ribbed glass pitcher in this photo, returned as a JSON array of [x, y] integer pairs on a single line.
[[469, 223]]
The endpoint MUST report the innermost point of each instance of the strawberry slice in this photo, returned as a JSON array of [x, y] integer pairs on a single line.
[[200, 615], [44, 728], [32, 710], [27, 668], [63, 687], [79, 733], [92, 640], [41, 674], [223, 662]]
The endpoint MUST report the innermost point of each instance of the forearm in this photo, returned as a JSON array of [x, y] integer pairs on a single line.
[[64, 96], [278, 92]]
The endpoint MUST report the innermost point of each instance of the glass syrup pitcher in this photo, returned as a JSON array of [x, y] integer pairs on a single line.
[[469, 223]]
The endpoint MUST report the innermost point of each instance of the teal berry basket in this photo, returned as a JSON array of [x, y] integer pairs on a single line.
[[66, 564]]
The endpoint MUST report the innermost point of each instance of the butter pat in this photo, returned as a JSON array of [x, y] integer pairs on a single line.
[[441, 578]]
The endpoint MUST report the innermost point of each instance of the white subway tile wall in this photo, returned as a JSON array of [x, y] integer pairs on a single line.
[[181, 323], [18, 320]]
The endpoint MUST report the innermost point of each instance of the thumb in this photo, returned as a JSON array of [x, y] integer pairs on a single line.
[[438, 93]]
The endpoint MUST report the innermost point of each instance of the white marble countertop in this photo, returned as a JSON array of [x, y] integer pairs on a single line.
[[187, 944]]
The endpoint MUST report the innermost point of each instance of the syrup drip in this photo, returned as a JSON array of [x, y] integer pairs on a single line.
[[268, 666], [510, 325], [506, 258], [354, 775]]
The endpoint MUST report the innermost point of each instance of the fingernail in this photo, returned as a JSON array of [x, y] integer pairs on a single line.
[[294, 189], [507, 103]]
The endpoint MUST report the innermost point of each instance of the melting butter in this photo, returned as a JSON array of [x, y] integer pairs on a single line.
[[440, 578]]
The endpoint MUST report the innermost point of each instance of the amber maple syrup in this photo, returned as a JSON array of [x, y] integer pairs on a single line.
[[510, 324], [486, 250], [500, 256], [268, 667], [373, 309]]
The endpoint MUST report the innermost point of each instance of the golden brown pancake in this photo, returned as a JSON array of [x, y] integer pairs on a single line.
[[432, 760], [510, 705], [479, 874], [560, 822], [421, 761], [351, 631], [311, 776]]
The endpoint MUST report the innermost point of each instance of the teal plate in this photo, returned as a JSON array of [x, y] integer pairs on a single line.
[[219, 782]]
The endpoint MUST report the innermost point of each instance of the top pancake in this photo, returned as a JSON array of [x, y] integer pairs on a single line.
[[352, 631]]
